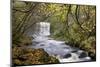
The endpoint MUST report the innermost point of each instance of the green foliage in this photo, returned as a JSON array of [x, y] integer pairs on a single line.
[[75, 24], [24, 40]]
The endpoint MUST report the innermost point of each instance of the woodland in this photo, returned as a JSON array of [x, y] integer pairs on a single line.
[[74, 24]]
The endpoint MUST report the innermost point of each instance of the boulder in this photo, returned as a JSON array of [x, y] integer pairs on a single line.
[[83, 55], [67, 55], [29, 56]]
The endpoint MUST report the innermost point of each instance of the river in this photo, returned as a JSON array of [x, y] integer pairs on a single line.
[[60, 50]]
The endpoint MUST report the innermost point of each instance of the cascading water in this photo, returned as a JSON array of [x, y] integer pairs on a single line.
[[56, 48], [44, 29]]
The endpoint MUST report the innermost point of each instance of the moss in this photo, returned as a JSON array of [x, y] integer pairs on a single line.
[[24, 40], [28, 56], [53, 60]]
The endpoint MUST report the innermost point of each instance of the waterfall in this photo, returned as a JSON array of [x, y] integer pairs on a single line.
[[42, 29]]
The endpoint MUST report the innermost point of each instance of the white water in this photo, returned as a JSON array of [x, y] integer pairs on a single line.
[[56, 48]]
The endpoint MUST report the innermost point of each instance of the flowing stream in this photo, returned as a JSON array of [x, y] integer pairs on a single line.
[[58, 49]]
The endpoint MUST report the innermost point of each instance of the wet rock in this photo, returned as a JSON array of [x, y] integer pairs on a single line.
[[34, 43], [74, 51], [92, 55], [66, 48], [82, 55], [67, 56], [42, 44]]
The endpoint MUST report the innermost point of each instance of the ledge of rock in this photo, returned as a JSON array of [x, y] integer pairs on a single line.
[[29, 56]]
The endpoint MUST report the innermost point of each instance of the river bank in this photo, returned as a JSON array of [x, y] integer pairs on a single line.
[[22, 55], [90, 52]]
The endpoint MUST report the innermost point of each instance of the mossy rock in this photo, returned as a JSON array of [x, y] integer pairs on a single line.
[[29, 56]]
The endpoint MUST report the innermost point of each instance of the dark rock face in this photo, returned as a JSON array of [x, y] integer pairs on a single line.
[[92, 55], [83, 55], [67, 56]]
